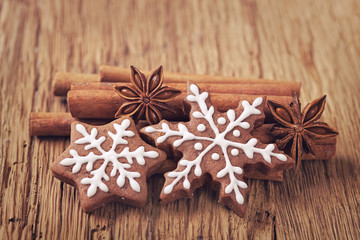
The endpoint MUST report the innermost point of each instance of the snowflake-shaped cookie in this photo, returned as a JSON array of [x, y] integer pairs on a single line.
[[108, 163], [218, 145]]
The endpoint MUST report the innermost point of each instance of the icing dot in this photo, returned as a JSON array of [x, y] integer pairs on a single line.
[[198, 146], [201, 127], [234, 152], [221, 121], [236, 133], [215, 156]]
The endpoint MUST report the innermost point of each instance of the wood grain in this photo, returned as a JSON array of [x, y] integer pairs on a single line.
[[314, 42]]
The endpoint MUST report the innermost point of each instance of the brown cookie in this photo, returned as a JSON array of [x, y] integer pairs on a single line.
[[108, 163], [216, 145]]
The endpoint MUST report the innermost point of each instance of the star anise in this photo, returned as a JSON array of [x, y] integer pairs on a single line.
[[300, 131], [146, 96]]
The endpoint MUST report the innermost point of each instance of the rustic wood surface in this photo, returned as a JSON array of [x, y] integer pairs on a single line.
[[314, 42]]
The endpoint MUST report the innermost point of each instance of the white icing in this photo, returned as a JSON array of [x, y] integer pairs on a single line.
[[110, 156], [219, 140], [198, 146], [234, 152], [215, 156], [236, 133], [201, 127], [221, 121]]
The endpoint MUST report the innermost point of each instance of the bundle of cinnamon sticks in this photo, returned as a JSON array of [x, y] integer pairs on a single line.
[[91, 98]]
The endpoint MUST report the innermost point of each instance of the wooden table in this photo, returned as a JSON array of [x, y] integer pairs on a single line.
[[314, 42]]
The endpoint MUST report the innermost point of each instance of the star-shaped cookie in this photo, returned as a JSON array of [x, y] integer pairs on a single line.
[[216, 145], [108, 163]]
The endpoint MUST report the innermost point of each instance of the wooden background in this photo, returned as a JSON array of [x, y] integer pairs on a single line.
[[314, 42]]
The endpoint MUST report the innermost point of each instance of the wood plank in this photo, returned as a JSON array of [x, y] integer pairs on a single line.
[[314, 42], [18, 82], [325, 66]]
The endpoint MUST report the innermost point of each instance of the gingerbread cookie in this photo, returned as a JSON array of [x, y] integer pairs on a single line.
[[218, 145], [108, 163]]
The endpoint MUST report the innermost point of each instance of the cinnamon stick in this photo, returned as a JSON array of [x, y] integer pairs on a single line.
[[117, 74], [50, 124], [58, 124], [103, 104], [273, 89], [63, 81], [55, 124]]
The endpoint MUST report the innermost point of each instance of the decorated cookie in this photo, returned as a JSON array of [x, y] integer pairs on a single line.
[[216, 145], [108, 163]]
